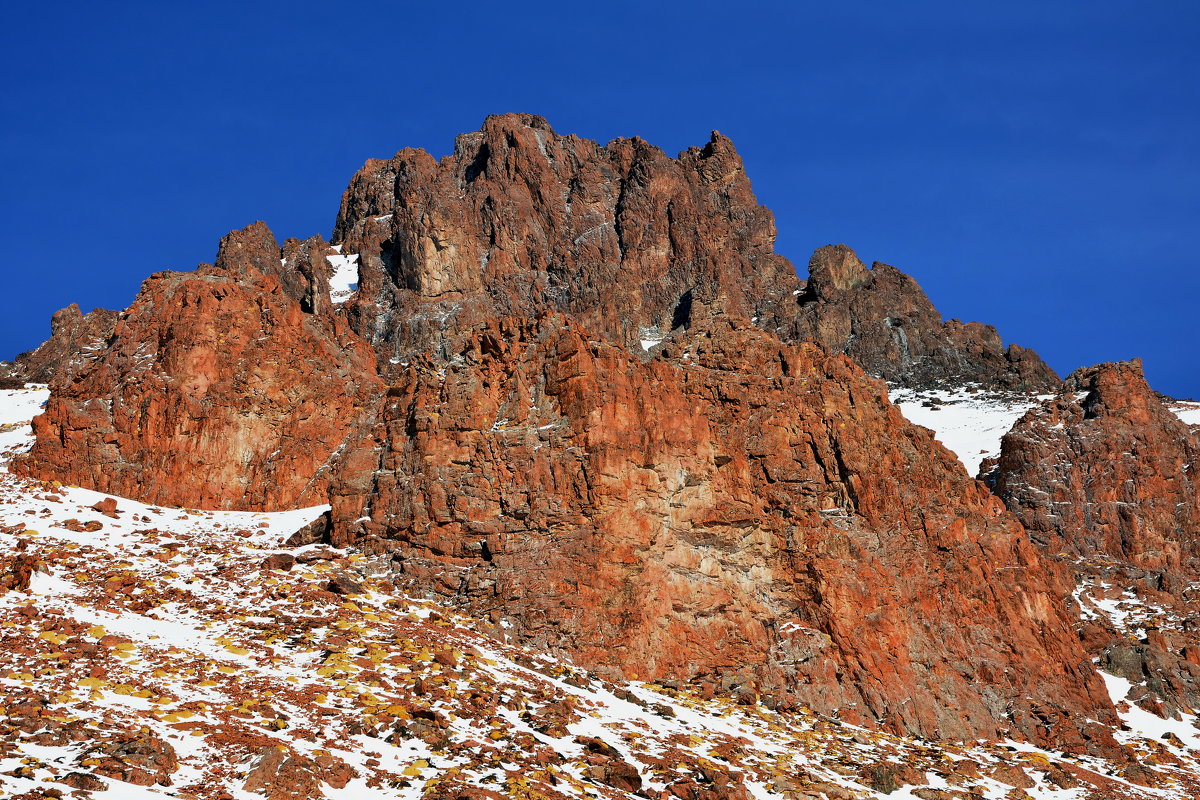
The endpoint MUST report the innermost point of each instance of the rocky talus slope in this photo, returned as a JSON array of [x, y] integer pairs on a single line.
[[151, 652]]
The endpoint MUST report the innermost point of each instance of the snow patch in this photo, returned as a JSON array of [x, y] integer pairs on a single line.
[[344, 282], [969, 423]]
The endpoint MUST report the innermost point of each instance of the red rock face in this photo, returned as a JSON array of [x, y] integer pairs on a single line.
[[737, 510], [216, 392], [633, 244], [1106, 469]]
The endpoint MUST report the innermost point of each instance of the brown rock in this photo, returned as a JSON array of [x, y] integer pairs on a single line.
[[283, 774], [344, 584], [313, 533], [83, 780], [1106, 468], [281, 561], [733, 508], [19, 573], [107, 507], [883, 320], [140, 758], [519, 219], [76, 339], [721, 511]]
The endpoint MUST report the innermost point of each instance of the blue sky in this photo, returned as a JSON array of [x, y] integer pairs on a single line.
[[1035, 165]]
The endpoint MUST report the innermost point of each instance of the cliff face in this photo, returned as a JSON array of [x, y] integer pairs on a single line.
[[566, 385], [629, 241], [217, 391], [634, 245], [1102, 476], [738, 510], [1106, 469]]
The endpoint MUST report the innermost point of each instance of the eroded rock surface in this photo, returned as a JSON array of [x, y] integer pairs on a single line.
[[75, 339], [882, 319], [1105, 468], [519, 219], [737, 510], [218, 391], [564, 386]]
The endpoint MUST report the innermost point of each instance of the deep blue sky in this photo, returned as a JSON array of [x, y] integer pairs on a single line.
[[1035, 164]]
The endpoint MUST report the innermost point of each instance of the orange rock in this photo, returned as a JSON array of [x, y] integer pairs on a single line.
[[738, 510], [727, 508], [229, 393]]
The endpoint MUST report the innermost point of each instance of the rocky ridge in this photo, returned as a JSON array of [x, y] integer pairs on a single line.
[[1102, 477], [882, 319], [1107, 436], [1105, 468], [551, 353], [75, 339]]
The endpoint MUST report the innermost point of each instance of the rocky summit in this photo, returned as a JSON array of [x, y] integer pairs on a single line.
[[568, 395]]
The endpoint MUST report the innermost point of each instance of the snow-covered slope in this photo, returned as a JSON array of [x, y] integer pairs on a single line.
[[170, 652], [1186, 410], [969, 421]]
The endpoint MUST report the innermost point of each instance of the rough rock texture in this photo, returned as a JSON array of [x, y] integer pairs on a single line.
[[1166, 675], [1106, 469], [519, 219], [633, 244], [731, 508], [882, 319], [75, 339], [215, 392], [11, 375], [281, 773], [737, 510]]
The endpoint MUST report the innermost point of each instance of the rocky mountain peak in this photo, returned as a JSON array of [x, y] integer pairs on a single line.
[[572, 387], [884, 320], [834, 268], [253, 246]]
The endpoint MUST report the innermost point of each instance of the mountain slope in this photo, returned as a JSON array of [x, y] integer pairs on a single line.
[[167, 652]]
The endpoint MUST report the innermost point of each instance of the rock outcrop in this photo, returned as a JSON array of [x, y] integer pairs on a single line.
[[632, 243], [565, 385], [218, 390], [1105, 469], [75, 339], [738, 510], [882, 319]]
